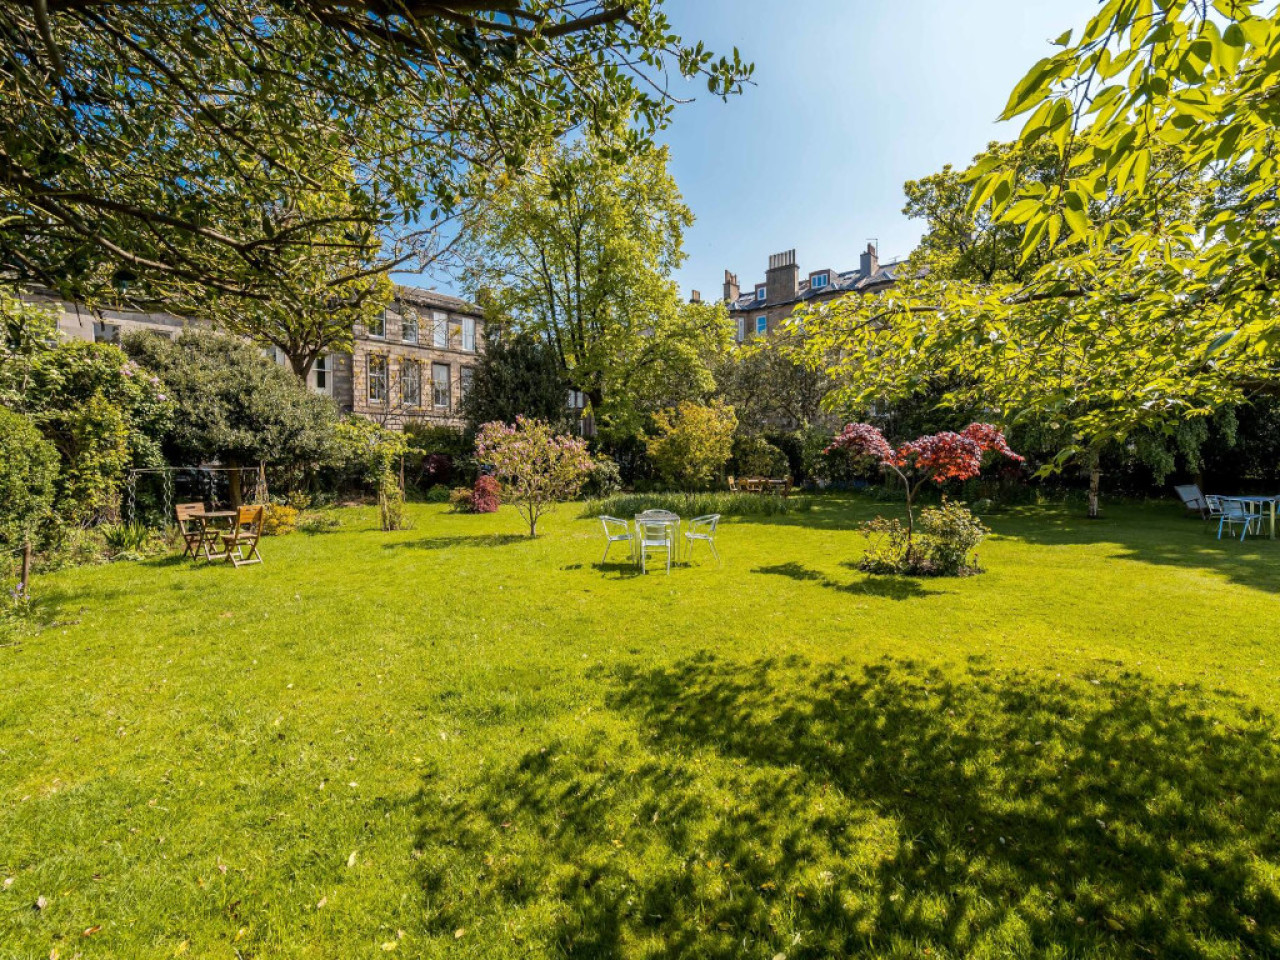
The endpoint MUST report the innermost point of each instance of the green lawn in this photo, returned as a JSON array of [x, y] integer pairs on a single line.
[[453, 741]]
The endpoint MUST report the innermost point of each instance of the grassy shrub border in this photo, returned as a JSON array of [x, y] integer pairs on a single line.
[[697, 504]]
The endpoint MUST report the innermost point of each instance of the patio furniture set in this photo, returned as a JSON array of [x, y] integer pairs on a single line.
[[781, 488], [1250, 513], [229, 535], [658, 533]]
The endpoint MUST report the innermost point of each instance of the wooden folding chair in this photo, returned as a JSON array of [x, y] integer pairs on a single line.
[[197, 537], [240, 546]]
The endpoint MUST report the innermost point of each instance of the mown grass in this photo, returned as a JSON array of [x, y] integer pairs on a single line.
[[454, 741]]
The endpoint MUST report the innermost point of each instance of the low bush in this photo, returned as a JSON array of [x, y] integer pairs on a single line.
[[280, 519], [604, 480], [943, 544], [131, 541], [697, 504], [437, 494], [486, 496], [460, 499], [319, 522]]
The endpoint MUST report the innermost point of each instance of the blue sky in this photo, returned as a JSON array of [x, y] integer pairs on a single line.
[[851, 99]]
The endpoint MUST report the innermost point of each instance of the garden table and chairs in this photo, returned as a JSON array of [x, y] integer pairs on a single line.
[[1248, 511], [230, 535], [659, 532]]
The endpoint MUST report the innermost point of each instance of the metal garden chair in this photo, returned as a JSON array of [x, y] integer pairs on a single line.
[[655, 535], [702, 530], [1237, 512], [615, 531]]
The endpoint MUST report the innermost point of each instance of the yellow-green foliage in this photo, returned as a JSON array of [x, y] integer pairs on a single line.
[[280, 520], [693, 442]]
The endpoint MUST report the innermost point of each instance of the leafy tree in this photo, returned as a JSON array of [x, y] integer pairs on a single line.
[[516, 376], [755, 456], [537, 467], [374, 452], [937, 457], [28, 468], [232, 404], [692, 443], [99, 410], [141, 142], [577, 250], [769, 388]]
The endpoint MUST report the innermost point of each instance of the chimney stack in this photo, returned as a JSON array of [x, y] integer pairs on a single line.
[[731, 291], [870, 264], [695, 297], [782, 278]]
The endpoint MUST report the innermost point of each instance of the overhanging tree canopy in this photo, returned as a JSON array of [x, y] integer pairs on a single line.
[[145, 146]]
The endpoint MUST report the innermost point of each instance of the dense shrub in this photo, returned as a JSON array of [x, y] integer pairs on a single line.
[[486, 496], [28, 467], [460, 499], [757, 457], [131, 541], [437, 494], [697, 504], [373, 452], [604, 480], [280, 519], [693, 443], [943, 544]]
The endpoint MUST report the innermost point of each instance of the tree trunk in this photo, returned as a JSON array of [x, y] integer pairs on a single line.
[[300, 364], [1095, 482], [24, 588]]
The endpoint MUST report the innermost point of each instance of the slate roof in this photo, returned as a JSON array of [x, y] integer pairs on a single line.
[[850, 281], [433, 298]]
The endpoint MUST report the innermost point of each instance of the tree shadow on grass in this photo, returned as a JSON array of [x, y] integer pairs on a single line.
[[1153, 534], [890, 588], [784, 807], [448, 543]]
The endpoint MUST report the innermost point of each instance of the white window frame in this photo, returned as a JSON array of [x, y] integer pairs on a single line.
[[322, 374], [405, 366], [466, 381], [381, 378], [409, 321], [469, 334], [742, 329], [448, 386], [761, 293], [440, 330], [762, 326], [381, 333], [819, 281]]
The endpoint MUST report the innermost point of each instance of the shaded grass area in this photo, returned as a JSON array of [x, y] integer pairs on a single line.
[[455, 741]]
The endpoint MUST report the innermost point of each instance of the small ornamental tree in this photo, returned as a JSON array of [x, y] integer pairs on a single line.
[[938, 457], [537, 467], [693, 443], [374, 451]]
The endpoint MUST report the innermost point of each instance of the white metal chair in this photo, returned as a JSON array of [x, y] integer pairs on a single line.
[[1212, 506], [615, 531], [1238, 512], [655, 535], [702, 530]]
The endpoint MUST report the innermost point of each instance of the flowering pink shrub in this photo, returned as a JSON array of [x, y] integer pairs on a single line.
[[486, 495], [938, 457], [537, 467]]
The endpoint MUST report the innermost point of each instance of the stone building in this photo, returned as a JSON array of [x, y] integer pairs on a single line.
[[414, 364], [758, 312]]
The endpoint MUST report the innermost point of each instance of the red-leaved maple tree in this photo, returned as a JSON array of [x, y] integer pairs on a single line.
[[938, 457]]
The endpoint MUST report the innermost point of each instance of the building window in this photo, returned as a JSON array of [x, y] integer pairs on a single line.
[[378, 326], [106, 332], [469, 334], [466, 379], [321, 370], [377, 377], [409, 327], [742, 329], [819, 281], [577, 400], [440, 385], [761, 293], [762, 326], [440, 331], [411, 383]]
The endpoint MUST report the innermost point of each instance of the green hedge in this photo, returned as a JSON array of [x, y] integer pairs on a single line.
[[626, 505]]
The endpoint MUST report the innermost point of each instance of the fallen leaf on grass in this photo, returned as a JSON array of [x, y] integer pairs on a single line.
[[41, 903], [389, 946], [351, 860], [323, 901], [92, 930], [457, 934]]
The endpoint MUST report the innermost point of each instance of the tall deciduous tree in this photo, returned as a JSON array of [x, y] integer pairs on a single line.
[[578, 251], [141, 142]]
